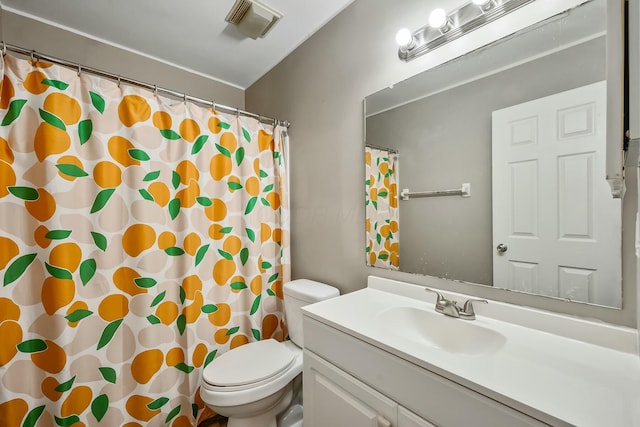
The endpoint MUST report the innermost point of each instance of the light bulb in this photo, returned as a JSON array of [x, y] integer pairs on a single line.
[[404, 38], [481, 2], [438, 18]]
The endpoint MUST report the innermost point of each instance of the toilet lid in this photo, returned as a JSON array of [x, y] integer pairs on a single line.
[[248, 364]]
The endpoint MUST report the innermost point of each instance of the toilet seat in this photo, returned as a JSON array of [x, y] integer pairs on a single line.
[[283, 371], [248, 366]]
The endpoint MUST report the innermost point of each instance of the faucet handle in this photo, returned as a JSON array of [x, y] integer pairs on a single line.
[[439, 297], [444, 306], [467, 311]]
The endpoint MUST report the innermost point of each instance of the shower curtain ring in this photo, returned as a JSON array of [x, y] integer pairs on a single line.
[[155, 90], [33, 57], [184, 97], [79, 69], [119, 80], [237, 112], [4, 48]]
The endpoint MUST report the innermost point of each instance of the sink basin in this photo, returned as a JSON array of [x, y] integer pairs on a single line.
[[439, 331]]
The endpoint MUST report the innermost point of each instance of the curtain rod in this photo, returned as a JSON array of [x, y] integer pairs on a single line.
[[132, 82], [377, 147]]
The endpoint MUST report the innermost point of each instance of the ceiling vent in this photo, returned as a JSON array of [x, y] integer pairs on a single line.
[[253, 18]]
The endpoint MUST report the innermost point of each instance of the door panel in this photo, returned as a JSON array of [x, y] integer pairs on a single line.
[[524, 276], [575, 196], [577, 283], [409, 419], [334, 398], [333, 406], [552, 206], [524, 198]]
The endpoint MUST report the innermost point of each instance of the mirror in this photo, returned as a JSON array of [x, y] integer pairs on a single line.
[[522, 123]]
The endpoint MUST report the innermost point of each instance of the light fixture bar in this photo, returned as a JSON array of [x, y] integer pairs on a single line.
[[463, 20]]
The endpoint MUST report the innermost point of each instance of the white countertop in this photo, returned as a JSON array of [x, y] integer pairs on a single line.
[[573, 381]]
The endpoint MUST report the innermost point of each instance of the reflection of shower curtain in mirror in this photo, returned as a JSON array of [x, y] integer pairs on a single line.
[[382, 214]]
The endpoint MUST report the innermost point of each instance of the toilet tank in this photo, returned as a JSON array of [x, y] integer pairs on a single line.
[[298, 293]]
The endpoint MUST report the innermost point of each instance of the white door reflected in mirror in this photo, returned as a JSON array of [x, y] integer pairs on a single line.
[[551, 203]]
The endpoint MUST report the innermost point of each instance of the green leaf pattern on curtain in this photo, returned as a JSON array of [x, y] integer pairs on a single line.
[[132, 249], [382, 211]]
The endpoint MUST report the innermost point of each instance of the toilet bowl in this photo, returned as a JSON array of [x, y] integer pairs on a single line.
[[255, 383]]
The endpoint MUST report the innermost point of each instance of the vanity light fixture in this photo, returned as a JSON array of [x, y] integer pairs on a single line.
[[444, 27]]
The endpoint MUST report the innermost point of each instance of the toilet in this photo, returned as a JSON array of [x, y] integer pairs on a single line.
[[259, 384]]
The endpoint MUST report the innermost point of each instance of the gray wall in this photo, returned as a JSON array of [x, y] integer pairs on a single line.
[[31, 34], [320, 88], [445, 140]]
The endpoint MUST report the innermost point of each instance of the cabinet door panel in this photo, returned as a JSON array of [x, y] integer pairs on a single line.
[[333, 406], [333, 398], [409, 419]]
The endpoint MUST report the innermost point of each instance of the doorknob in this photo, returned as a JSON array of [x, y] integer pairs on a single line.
[[501, 248]]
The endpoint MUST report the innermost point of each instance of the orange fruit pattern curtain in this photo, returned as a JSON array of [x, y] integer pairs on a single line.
[[140, 237], [381, 207]]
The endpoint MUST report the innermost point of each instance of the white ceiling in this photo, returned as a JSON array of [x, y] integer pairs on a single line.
[[190, 34]]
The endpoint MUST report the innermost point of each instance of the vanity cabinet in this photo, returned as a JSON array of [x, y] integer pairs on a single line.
[[334, 398], [349, 382]]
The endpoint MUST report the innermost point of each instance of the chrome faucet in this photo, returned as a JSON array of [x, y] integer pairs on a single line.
[[452, 309]]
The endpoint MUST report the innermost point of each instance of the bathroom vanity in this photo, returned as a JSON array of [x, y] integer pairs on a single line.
[[382, 356]]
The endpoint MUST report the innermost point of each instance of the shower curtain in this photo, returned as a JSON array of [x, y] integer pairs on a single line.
[[140, 238], [381, 205]]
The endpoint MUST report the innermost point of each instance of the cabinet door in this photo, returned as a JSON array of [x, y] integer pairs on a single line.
[[407, 418], [334, 398]]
